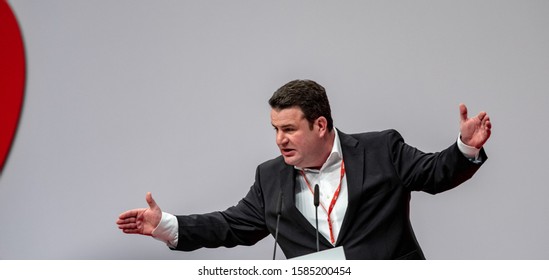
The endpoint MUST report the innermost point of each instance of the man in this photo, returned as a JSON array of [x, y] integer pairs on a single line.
[[365, 183]]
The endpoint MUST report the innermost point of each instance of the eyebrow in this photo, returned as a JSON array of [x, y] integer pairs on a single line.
[[283, 126]]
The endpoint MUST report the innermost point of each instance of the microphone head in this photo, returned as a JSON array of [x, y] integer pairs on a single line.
[[317, 196]]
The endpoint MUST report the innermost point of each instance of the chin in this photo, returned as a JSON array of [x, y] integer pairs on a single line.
[[291, 161]]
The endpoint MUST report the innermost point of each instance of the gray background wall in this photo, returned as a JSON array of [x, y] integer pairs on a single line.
[[125, 97]]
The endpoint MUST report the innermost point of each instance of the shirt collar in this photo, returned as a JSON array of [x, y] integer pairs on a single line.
[[336, 155]]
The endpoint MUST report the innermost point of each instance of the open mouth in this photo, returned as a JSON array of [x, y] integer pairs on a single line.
[[287, 152]]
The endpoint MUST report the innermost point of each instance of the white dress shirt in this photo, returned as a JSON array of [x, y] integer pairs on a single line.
[[328, 179]]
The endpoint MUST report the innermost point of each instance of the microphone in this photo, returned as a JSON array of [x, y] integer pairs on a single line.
[[316, 203], [278, 213]]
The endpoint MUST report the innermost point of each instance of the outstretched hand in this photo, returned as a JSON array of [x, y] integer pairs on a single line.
[[475, 131], [142, 220]]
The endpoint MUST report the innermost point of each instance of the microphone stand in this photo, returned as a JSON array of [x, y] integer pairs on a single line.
[[278, 213], [316, 203]]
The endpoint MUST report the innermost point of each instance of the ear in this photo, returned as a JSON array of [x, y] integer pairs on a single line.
[[322, 124]]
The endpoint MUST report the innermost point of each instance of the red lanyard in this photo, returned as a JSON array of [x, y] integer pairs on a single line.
[[334, 199]]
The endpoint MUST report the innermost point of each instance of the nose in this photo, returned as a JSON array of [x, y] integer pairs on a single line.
[[281, 138]]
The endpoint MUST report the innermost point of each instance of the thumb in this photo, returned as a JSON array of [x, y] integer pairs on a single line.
[[462, 112], [150, 201]]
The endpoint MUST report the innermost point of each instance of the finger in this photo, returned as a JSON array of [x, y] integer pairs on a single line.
[[131, 231], [463, 112], [126, 221], [130, 213], [150, 201], [485, 122], [481, 115], [128, 226], [488, 124], [488, 130]]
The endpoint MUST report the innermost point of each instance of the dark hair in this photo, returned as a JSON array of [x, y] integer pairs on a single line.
[[309, 96]]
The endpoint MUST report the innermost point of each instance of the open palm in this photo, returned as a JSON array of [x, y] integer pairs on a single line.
[[141, 220], [475, 131]]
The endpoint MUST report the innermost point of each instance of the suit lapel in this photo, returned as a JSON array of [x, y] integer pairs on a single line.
[[353, 156], [287, 184]]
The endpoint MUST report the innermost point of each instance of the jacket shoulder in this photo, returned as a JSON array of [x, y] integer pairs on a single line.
[[277, 162], [381, 137]]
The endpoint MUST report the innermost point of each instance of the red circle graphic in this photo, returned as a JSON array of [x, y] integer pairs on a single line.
[[12, 79]]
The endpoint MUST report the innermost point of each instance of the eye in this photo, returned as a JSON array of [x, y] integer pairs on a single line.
[[289, 129]]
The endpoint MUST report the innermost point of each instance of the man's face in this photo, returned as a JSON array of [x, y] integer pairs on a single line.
[[300, 145]]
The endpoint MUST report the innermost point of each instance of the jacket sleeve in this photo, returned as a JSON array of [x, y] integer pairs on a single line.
[[243, 224], [430, 172]]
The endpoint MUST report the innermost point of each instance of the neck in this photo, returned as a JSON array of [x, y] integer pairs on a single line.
[[326, 150]]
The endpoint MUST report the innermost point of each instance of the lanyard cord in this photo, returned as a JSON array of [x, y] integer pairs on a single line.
[[334, 199]]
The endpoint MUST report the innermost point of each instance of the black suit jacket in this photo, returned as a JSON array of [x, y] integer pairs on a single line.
[[381, 172]]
